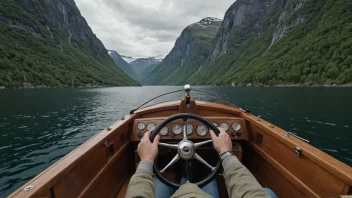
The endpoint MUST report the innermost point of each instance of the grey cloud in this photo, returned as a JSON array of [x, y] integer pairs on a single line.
[[146, 27]]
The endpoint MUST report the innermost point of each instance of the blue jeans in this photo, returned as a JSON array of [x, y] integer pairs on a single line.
[[164, 191], [270, 192]]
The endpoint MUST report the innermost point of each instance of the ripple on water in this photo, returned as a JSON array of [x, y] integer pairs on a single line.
[[329, 150]]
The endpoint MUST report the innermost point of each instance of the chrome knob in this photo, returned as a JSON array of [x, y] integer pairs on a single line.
[[187, 88]]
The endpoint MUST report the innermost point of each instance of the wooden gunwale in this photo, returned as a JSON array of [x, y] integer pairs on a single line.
[[327, 162], [287, 174], [49, 176], [108, 164]]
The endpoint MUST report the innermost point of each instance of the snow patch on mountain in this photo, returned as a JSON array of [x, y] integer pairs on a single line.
[[207, 22], [131, 59]]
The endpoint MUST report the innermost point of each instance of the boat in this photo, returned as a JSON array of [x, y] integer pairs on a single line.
[[280, 160]]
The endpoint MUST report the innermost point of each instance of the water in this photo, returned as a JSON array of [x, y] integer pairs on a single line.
[[39, 126]]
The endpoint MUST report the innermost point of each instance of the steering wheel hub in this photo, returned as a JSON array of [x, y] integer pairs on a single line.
[[186, 149]]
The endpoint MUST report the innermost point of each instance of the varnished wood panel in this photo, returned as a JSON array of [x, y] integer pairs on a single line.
[[319, 180], [195, 123], [110, 179], [123, 191], [268, 176], [325, 161], [76, 180], [166, 113]]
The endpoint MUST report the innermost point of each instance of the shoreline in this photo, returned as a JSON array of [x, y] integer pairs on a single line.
[[348, 85]]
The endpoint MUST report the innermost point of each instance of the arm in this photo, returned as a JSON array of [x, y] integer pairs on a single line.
[[141, 183], [239, 181]]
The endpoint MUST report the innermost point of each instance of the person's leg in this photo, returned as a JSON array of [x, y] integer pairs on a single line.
[[162, 190], [212, 189], [270, 192]]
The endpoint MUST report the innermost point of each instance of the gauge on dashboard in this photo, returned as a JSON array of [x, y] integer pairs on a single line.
[[215, 124], [164, 131], [151, 126], [236, 126], [225, 126], [176, 129], [141, 126], [189, 129], [202, 130]]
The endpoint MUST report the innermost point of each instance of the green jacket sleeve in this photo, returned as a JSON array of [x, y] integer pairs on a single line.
[[141, 183], [239, 180]]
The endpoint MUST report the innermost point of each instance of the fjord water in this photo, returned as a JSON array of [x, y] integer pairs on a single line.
[[40, 126]]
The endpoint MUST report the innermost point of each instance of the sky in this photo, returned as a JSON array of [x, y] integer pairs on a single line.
[[143, 28]]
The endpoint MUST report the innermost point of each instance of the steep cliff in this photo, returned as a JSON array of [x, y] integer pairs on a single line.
[[51, 44], [123, 65], [282, 42], [190, 51]]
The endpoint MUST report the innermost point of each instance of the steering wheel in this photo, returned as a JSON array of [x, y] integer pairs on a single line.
[[186, 150]]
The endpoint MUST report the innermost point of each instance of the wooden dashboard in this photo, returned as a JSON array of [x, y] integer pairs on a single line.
[[237, 129]]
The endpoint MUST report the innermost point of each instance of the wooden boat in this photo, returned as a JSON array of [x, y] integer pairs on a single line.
[[102, 166]]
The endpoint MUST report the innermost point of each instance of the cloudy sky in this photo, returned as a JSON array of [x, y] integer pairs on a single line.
[[146, 27]]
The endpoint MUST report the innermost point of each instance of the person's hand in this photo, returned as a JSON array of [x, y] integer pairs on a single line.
[[147, 150], [222, 143]]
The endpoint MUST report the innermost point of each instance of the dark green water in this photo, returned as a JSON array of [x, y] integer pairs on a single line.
[[39, 126]]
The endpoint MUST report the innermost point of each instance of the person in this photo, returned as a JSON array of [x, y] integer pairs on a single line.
[[239, 181]]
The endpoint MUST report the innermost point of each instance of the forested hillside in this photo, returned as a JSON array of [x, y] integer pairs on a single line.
[[189, 53], [271, 42], [51, 44], [315, 48]]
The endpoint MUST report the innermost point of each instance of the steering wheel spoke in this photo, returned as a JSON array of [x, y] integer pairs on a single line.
[[185, 131], [202, 143], [199, 158], [173, 161], [173, 146]]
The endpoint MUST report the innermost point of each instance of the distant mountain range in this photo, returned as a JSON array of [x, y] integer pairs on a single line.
[[154, 59], [49, 43], [135, 67]]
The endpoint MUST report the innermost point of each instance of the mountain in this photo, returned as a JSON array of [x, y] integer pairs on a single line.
[[189, 53], [304, 42], [273, 42], [122, 64], [50, 44], [143, 65]]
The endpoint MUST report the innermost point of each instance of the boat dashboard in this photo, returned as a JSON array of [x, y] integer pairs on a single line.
[[234, 126]]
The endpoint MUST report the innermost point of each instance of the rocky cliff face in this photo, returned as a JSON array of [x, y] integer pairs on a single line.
[[55, 35], [284, 26], [62, 17], [245, 16], [190, 50], [281, 42]]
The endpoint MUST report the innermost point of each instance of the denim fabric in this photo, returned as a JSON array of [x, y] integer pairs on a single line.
[[270, 192], [164, 191]]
